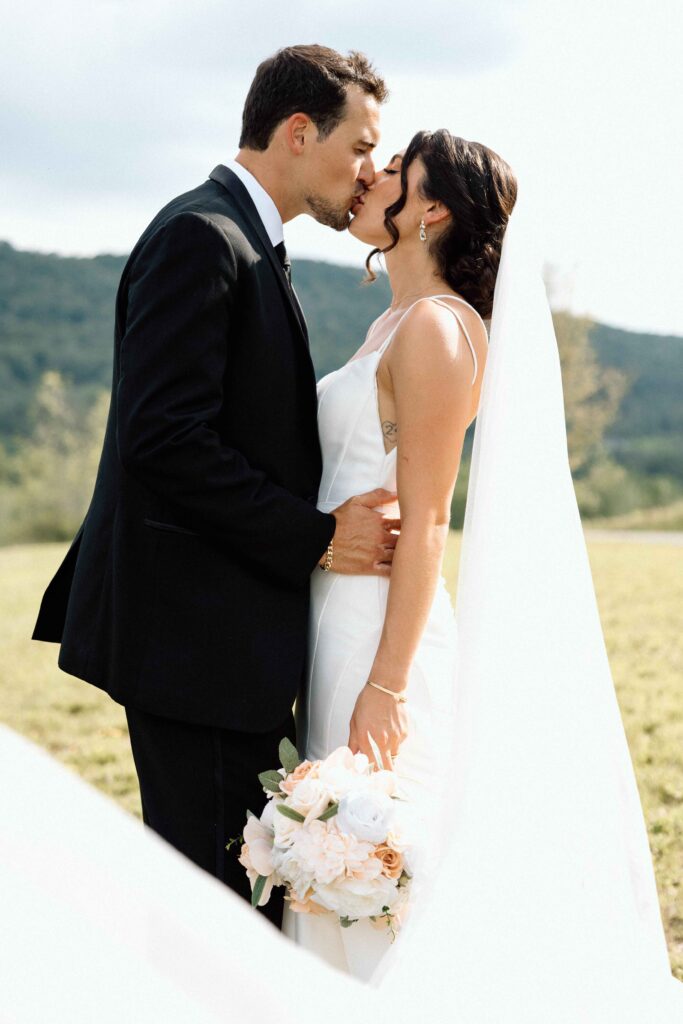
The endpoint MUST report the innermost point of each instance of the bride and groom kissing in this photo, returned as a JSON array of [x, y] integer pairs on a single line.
[[256, 538], [186, 592]]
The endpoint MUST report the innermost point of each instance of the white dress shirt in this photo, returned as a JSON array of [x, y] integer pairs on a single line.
[[266, 208]]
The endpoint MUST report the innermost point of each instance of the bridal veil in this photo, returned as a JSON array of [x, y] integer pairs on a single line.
[[545, 908]]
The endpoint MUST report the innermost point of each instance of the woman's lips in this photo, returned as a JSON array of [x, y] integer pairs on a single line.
[[356, 204]]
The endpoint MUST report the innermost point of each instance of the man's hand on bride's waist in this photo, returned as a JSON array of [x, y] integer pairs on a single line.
[[363, 541]]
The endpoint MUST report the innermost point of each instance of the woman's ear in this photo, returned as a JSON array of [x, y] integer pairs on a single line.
[[436, 213]]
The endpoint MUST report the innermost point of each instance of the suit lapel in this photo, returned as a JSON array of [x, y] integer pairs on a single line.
[[225, 177]]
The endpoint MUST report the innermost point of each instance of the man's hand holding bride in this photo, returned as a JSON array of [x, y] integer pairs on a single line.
[[363, 541]]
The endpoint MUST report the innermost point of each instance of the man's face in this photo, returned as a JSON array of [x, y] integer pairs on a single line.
[[341, 166]]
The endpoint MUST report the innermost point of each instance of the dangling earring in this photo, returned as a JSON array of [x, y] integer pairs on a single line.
[[423, 233]]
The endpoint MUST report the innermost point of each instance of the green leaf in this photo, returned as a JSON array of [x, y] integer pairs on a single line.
[[329, 813], [346, 922], [289, 812], [235, 839], [289, 755], [257, 891], [271, 780]]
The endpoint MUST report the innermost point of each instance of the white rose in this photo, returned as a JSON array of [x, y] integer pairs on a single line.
[[310, 798], [361, 764], [366, 815], [285, 828], [382, 781], [339, 772], [354, 897], [291, 869]]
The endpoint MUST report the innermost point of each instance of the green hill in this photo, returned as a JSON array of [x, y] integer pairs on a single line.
[[56, 313], [648, 435]]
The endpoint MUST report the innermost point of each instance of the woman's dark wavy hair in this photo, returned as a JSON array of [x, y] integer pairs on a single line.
[[479, 189]]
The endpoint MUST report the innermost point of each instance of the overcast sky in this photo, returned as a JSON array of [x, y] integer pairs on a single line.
[[111, 108]]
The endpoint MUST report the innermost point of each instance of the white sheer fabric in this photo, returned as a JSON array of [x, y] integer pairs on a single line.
[[546, 906], [102, 921]]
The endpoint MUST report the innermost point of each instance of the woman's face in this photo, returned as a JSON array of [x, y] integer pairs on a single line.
[[367, 224]]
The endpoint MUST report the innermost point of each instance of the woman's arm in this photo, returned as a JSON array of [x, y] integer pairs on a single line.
[[431, 370]]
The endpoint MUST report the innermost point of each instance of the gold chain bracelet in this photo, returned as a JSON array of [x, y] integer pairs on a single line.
[[330, 554], [400, 698]]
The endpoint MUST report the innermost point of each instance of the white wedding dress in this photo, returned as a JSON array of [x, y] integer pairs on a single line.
[[347, 615]]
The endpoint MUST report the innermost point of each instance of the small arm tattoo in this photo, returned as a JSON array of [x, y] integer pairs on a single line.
[[390, 430]]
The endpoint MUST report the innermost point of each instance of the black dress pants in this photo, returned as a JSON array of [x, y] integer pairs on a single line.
[[196, 784]]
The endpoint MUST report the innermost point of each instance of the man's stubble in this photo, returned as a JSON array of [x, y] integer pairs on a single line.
[[326, 213]]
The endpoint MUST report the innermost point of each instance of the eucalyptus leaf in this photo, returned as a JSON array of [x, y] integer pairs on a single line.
[[257, 891], [271, 780], [289, 755], [346, 922], [329, 813], [289, 812]]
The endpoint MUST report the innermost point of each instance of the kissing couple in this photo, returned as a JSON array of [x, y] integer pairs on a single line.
[[256, 539]]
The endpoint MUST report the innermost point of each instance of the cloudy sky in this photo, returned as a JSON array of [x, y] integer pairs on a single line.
[[110, 107]]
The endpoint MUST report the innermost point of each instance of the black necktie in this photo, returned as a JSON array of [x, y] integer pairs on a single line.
[[287, 267], [284, 261]]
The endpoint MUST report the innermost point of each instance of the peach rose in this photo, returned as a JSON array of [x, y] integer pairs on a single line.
[[300, 772], [307, 905], [392, 860]]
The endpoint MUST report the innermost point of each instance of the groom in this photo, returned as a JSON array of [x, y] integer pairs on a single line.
[[185, 592]]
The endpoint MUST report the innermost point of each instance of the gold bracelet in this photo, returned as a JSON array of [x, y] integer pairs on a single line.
[[400, 698], [328, 561]]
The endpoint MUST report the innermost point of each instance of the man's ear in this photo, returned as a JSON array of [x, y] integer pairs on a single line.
[[296, 129]]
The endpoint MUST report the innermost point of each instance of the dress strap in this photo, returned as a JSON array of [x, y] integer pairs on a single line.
[[437, 299]]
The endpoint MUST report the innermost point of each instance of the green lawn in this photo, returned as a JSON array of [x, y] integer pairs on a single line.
[[640, 593]]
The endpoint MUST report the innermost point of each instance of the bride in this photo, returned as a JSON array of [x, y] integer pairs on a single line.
[[395, 417], [534, 892]]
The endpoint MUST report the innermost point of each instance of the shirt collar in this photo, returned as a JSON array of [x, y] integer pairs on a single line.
[[266, 208]]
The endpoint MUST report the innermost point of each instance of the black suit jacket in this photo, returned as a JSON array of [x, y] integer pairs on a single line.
[[186, 590]]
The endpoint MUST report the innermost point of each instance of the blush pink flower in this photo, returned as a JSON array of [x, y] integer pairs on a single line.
[[300, 772], [258, 841], [252, 874], [328, 854], [307, 905]]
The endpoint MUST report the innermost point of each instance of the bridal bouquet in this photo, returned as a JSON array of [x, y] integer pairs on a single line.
[[330, 834]]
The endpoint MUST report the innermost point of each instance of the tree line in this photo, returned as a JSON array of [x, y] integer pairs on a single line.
[[624, 420]]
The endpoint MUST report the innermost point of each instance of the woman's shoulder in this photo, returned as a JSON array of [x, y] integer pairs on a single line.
[[430, 333], [439, 320]]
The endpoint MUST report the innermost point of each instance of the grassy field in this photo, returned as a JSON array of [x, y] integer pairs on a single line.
[[640, 593]]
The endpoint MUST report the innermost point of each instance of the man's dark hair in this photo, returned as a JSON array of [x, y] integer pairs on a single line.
[[309, 79]]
